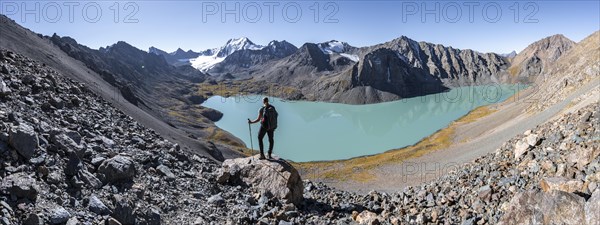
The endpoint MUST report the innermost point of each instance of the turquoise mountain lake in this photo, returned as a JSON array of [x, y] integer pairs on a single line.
[[314, 131]]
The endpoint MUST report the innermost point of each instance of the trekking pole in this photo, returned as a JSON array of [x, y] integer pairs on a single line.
[[251, 145]]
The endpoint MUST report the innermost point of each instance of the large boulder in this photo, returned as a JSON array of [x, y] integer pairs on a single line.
[[118, 168], [592, 208], [20, 185], [24, 139], [278, 177], [549, 184], [537, 207]]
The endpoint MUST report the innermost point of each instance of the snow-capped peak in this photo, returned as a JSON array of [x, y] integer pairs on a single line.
[[209, 58], [236, 44], [337, 47], [332, 46]]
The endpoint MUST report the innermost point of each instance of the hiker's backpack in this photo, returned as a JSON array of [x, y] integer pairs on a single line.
[[270, 118]]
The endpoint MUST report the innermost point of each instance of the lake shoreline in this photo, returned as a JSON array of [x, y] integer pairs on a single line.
[[368, 129]]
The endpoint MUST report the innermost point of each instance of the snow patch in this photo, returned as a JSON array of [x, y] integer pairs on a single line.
[[205, 63], [351, 57], [332, 47]]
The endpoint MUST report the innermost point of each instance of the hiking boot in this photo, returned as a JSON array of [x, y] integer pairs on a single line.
[[269, 156], [262, 156]]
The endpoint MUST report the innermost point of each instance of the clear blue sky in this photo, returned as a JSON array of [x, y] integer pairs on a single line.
[[198, 25]]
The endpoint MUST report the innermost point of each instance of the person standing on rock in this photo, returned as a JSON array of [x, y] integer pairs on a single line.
[[267, 115]]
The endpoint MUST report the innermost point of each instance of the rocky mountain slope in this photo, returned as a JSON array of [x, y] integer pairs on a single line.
[[69, 157], [573, 69], [151, 101], [538, 58], [124, 65]]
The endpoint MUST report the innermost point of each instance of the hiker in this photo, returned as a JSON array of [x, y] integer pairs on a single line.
[[267, 115]]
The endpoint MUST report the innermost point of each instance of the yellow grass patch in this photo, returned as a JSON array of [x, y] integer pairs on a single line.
[[358, 169]]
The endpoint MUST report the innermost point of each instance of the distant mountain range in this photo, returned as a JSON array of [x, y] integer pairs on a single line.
[[338, 72], [332, 71], [206, 60]]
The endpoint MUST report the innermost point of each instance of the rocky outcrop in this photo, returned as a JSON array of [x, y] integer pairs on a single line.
[[276, 177], [574, 69], [211, 114], [539, 56], [555, 207]]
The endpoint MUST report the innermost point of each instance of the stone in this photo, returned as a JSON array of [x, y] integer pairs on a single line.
[[149, 216], [54, 177], [166, 171], [5, 69], [555, 207], [20, 185], [283, 222], [520, 148], [28, 79], [592, 208], [118, 168], [96, 161], [549, 184], [72, 221], [74, 165], [24, 139], [367, 217], [6, 206], [532, 139], [278, 177], [200, 221], [59, 215], [123, 210], [89, 179], [97, 206], [582, 156], [57, 102], [484, 193], [216, 200], [4, 90], [65, 142]]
